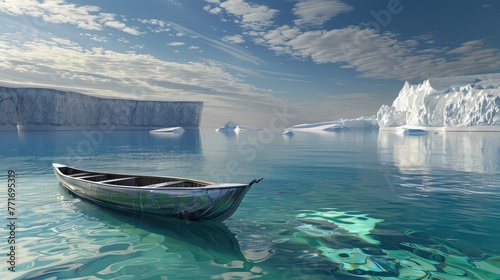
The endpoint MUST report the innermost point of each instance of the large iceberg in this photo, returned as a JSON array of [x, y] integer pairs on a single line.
[[40, 109], [466, 102]]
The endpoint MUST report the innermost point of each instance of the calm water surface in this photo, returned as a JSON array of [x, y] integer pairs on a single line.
[[341, 205]]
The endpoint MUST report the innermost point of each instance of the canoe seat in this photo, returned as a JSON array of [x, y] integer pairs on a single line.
[[164, 184], [90, 176], [79, 174], [117, 179]]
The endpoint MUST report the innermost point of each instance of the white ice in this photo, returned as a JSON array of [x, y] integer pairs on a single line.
[[48, 109], [233, 127], [454, 103], [176, 129], [333, 126]]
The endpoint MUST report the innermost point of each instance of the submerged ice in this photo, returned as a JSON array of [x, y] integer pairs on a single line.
[[465, 101]]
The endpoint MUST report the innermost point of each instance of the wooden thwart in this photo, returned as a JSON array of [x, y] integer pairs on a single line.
[[164, 184], [117, 179]]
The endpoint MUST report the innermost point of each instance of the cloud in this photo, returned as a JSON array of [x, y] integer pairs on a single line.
[[317, 12], [122, 26], [230, 49], [176, 44], [58, 11], [371, 53], [63, 64], [212, 10], [95, 38], [382, 56], [235, 39], [249, 16], [159, 25]]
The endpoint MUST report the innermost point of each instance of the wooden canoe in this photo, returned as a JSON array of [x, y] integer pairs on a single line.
[[157, 195]]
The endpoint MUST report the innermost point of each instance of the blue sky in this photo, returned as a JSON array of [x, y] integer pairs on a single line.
[[320, 59]]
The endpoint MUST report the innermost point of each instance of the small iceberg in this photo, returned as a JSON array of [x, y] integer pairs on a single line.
[[176, 129], [288, 133], [231, 126], [322, 127]]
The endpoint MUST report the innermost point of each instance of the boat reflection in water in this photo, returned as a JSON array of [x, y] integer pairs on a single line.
[[122, 243]]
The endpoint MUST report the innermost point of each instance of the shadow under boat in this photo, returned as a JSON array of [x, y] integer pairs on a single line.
[[206, 240]]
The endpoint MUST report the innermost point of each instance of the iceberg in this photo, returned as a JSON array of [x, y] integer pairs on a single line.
[[453, 103], [49, 109], [176, 129], [288, 133], [333, 126], [231, 126]]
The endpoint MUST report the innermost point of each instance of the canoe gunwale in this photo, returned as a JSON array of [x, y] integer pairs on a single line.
[[207, 185], [214, 202]]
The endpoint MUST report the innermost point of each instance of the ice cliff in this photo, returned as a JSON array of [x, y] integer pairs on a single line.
[[466, 101], [40, 109]]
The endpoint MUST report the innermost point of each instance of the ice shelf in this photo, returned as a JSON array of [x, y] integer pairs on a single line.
[[48, 109]]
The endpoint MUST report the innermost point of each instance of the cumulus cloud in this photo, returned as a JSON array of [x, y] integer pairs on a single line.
[[95, 38], [159, 25], [371, 53], [212, 10], [317, 12], [376, 55], [61, 63], [249, 16], [58, 11], [176, 44], [235, 39]]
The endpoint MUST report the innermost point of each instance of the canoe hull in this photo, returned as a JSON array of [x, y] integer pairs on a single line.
[[211, 202]]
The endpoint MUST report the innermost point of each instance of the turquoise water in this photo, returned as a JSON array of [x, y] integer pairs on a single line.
[[341, 205]]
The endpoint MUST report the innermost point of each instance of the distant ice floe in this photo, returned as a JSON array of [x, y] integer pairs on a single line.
[[333, 126], [169, 132], [232, 127], [454, 103], [176, 129]]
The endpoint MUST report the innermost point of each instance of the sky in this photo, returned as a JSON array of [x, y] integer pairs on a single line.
[[249, 61]]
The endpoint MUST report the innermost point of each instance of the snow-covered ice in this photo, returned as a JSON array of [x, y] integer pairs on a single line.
[[333, 126], [40, 109], [176, 129], [454, 103]]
